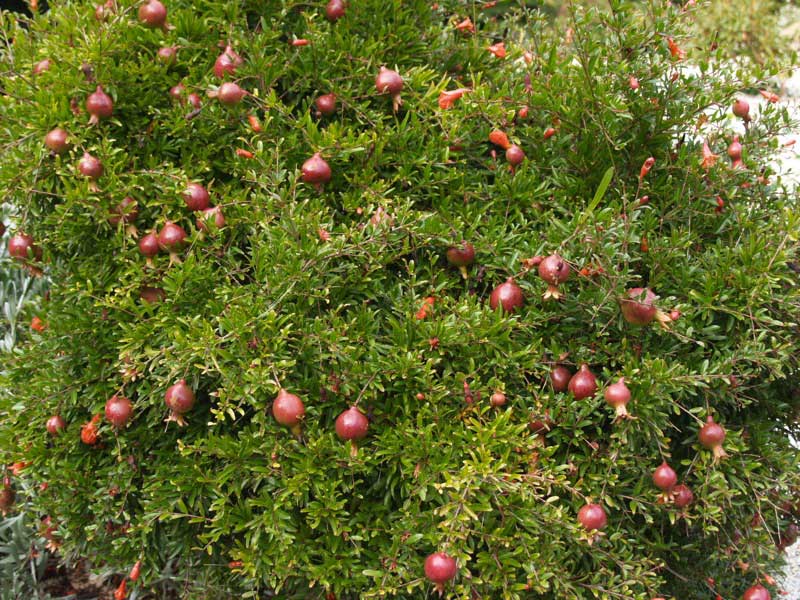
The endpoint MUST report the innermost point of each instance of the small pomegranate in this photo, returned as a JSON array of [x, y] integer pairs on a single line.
[[42, 66], [735, 149], [508, 295], [194, 101], [664, 477], [57, 141], [148, 246], [118, 411], [389, 82], [756, 592], [682, 496], [499, 138], [352, 425], [316, 171], [497, 399], [439, 569], [90, 167], [560, 377], [514, 156], [741, 108], [171, 238], [326, 105], [103, 12], [211, 219], [461, 256], [55, 425], [180, 400], [583, 384], [711, 436], [168, 55], [196, 197], [227, 62], [152, 295], [592, 517], [618, 395], [176, 92], [289, 410], [230, 94], [638, 306], [125, 212], [554, 270], [21, 247], [89, 432], [335, 10], [99, 105], [153, 14]]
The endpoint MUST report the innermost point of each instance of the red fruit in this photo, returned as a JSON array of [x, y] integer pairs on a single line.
[[37, 324], [499, 138], [583, 384], [153, 14], [735, 149], [633, 83], [389, 82], [148, 245], [316, 171], [118, 410], [196, 197], [638, 307], [171, 237], [335, 10], [514, 155], [461, 256], [559, 378], [664, 477], [326, 104], [592, 517], [180, 400], [288, 409], [99, 105], [55, 425], [230, 93], [711, 436], [7, 497], [756, 592], [618, 395], [352, 424], [741, 108], [152, 295], [125, 212], [56, 140], [176, 92], [135, 571], [682, 496], [42, 66], [194, 100], [21, 247], [90, 167], [508, 295], [168, 55], [89, 431], [549, 132], [104, 11], [497, 399], [210, 219], [554, 270], [440, 568], [227, 62]]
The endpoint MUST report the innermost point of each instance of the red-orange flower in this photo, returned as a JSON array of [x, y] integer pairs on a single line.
[[448, 97], [498, 49], [466, 26]]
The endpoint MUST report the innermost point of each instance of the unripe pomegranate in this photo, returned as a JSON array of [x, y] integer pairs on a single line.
[[741, 108], [682, 496], [99, 105], [316, 171], [618, 395], [559, 378], [664, 477], [638, 306], [711, 436], [21, 247], [326, 105], [352, 425], [335, 10], [508, 295], [196, 197], [756, 592], [118, 410], [289, 410], [440, 568], [583, 384], [55, 425], [554, 270], [227, 62], [462, 255], [389, 82], [180, 399], [592, 517], [57, 141], [153, 14]]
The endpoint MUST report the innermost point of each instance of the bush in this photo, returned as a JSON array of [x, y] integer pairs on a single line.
[[341, 294]]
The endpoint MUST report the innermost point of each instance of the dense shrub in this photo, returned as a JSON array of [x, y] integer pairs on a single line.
[[340, 292]]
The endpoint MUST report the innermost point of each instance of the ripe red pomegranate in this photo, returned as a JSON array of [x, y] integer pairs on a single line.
[[289, 410], [741, 108], [735, 150], [756, 592], [118, 410], [389, 82], [497, 399], [180, 399], [21, 247], [461, 256], [316, 171], [335, 10], [326, 105], [682, 496], [55, 425], [514, 156], [196, 197], [90, 167], [618, 395], [638, 306], [125, 212], [440, 568], [592, 517], [508, 295], [148, 245], [664, 477], [99, 105], [352, 425], [554, 270], [227, 62], [559, 378], [57, 141], [171, 238], [583, 384], [211, 219], [153, 14], [711, 436], [230, 93]]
